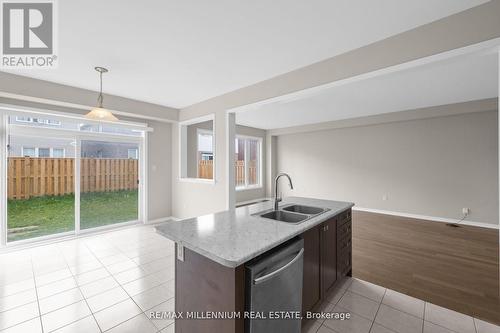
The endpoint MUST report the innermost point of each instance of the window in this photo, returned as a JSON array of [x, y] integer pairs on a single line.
[[58, 153], [133, 154], [90, 179], [239, 171], [205, 153], [248, 160], [207, 156], [43, 152], [205, 139], [81, 125], [24, 119], [29, 152], [51, 122]]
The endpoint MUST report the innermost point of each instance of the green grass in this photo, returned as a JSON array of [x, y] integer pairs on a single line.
[[48, 215]]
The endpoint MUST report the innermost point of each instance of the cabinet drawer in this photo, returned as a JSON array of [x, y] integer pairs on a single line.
[[344, 229], [344, 245], [344, 217], [345, 262]]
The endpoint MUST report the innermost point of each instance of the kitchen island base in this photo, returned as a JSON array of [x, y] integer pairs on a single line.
[[204, 287]]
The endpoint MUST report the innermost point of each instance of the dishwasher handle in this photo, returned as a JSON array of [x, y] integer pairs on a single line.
[[279, 270]]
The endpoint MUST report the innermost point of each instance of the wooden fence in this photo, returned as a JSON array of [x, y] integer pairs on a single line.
[[31, 176], [205, 170]]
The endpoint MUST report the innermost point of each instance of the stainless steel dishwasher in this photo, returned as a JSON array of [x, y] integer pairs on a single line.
[[274, 289]]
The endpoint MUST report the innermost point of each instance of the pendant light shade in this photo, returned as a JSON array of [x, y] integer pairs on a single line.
[[100, 113]]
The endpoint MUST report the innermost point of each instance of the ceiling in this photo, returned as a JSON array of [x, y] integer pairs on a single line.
[[461, 79], [177, 53]]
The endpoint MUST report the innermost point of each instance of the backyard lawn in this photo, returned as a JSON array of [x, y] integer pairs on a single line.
[[47, 215]]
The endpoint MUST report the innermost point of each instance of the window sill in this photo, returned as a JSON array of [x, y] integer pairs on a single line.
[[247, 188], [197, 180]]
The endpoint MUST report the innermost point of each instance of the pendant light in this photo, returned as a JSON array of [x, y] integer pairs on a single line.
[[100, 113]]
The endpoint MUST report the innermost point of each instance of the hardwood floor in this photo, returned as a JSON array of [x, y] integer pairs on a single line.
[[453, 267]]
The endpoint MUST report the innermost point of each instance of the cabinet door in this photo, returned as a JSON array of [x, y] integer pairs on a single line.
[[328, 255], [311, 283]]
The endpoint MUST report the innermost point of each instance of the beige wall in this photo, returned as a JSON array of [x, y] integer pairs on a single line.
[[466, 28], [247, 195], [39, 91], [193, 198], [431, 167], [160, 171]]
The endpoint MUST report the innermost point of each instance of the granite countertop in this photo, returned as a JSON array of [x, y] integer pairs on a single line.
[[234, 237]]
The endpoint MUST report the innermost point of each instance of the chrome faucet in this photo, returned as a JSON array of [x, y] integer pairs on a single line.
[[276, 198]]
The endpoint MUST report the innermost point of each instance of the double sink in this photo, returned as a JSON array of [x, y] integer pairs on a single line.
[[292, 213]]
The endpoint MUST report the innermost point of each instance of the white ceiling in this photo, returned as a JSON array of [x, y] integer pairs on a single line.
[[177, 53], [462, 79]]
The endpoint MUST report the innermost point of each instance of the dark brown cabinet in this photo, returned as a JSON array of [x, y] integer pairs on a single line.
[[328, 255], [344, 244], [327, 258], [311, 294]]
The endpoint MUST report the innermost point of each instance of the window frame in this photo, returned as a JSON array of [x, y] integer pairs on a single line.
[[63, 152], [35, 151], [136, 154], [259, 184], [182, 129], [38, 152]]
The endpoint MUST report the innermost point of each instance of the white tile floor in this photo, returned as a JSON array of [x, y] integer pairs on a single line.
[[102, 283], [110, 282], [375, 309]]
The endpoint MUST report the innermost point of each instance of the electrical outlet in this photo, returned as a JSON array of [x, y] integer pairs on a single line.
[[466, 211], [385, 197]]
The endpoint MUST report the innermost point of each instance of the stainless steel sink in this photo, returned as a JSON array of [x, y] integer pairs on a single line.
[[292, 213], [280, 215], [309, 210]]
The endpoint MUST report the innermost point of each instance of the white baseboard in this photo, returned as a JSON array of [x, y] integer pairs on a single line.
[[429, 218], [163, 219], [252, 201]]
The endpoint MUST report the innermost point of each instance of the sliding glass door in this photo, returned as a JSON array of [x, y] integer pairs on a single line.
[[40, 186], [66, 176], [109, 183]]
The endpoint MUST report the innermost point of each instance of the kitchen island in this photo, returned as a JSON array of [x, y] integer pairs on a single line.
[[212, 250]]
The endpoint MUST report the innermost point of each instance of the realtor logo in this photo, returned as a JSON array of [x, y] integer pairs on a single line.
[[28, 34]]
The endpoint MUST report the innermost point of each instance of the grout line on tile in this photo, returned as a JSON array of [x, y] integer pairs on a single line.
[[130, 297], [423, 324], [475, 326], [379, 305], [410, 314], [74, 321], [88, 306], [36, 294], [446, 328]]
